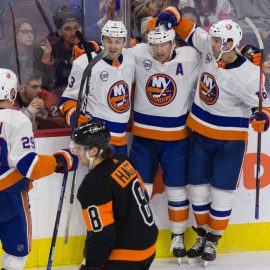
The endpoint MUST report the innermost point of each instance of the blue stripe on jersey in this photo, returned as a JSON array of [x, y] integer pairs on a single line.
[[217, 120], [220, 213], [24, 164], [200, 208], [189, 40], [113, 126], [160, 121], [178, 204], [64, 99]]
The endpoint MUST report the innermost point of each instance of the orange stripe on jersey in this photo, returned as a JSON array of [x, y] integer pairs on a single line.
[[132, 255], [201, 219], [116, 63], [105, 216], [28, 218], [45, 166], [11, 179], [119, 141], [228, 135], [178, 215], [160, 135], [183, 29], [218, 225], [68, 105], [124, 174]]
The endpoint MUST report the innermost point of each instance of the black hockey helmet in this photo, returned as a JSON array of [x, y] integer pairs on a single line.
[[92, 133]]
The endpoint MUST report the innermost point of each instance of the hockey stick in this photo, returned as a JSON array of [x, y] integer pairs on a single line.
[[85, 77], [57, 220], [259, 139]]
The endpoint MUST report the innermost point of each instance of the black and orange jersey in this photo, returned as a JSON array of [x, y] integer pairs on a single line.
[[118, 218]]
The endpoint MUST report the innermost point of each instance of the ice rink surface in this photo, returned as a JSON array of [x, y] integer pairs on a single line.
[[228, 261]]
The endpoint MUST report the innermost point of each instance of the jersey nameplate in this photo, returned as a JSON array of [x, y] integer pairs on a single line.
[[124, 174]]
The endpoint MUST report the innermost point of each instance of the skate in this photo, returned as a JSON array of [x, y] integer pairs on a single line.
[[178, 247], [197, 249], [209, 253]]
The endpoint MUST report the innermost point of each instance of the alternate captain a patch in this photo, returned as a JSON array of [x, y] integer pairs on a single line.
[[118, 97], [208, 89], [160, 89]]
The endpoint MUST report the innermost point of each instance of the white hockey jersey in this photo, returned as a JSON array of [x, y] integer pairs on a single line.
[[109, 95], [224, 96], [164, 93], [19, 160]]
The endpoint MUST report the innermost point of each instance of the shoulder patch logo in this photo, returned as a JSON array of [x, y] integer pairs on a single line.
[[160, 89], [118, 97], [208, 89], [147, 64]]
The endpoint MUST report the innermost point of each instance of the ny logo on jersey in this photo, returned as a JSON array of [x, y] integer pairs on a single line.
[[118, 97], [208, 89], [160, 89]]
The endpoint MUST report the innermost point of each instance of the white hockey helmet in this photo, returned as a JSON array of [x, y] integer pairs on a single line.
[[226, 29], [161, 35], [8, 82], [114, 29]]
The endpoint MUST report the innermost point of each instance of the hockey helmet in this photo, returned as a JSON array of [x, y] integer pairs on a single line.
[[161, 35], [8, 82], [227, 29], [92, 133], [114, 29]]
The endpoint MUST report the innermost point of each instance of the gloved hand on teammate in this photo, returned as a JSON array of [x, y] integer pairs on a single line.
[[170, 16], [78, 49], [71, 118], [252, 53], [260, 123], [66, 161]]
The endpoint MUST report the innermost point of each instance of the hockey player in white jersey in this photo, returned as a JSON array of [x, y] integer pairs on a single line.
[[165, 84], [110, 86], [19, 166], [227, 91]]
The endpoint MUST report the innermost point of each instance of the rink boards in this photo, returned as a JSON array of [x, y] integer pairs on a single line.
[[243, 234]]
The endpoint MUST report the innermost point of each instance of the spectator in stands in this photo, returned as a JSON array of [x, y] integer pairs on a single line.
[[257, 11], [267, 70], [210, 11], [38, 104]]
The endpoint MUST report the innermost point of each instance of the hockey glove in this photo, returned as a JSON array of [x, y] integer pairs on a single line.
[[252, 53], [260, 123], [66, 161], [71, 118], [170, 16], [78, 49]]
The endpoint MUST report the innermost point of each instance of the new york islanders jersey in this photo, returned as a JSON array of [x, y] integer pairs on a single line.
[[109, 95], [164, 93], [19, 160], [118, 218], [225, 94]]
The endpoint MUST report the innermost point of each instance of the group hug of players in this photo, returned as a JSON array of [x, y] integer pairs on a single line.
[[191, 112]]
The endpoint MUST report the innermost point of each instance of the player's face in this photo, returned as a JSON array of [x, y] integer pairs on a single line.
[[216, 46], [25, 35], [33, 89], [162, 51], [81, 153], [267, 65], [114, 45], [67, 32]]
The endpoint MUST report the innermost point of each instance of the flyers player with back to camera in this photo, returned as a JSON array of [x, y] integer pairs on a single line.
[[121, 232], [227, 93], [20, 165]]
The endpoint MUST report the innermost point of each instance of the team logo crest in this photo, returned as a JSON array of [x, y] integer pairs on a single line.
[[147, 64], [160, 89], [118, 97], [208, 90]]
